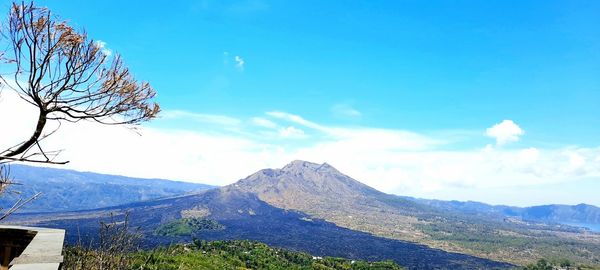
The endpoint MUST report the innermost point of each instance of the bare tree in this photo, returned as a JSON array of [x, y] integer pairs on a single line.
[[66, 76]]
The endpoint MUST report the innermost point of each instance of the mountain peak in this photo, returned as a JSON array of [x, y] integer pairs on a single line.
[[303, 185], [301, 166]]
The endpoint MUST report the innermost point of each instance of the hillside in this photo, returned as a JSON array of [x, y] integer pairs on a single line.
[[69, 190]]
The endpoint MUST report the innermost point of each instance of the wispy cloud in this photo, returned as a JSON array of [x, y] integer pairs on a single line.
[[262, 122], [296, 119], [345, 110], [199, 117], [240, 63], [362, 136]]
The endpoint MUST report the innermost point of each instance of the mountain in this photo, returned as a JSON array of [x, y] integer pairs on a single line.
[[584, 215], [243, 215], [68, 190], [315, 208], [323, 192]]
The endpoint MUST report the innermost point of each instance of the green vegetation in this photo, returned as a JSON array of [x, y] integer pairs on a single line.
[[115, 242], [188, 226], [242, 255], [544, 264], [215, 255]]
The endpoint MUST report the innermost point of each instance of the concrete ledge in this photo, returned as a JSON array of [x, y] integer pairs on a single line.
[[30, 248]]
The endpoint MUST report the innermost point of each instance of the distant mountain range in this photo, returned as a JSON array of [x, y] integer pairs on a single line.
[[68, 190], [317, 209], [584, 215]]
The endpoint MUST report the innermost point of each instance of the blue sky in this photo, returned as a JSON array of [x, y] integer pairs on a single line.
[[440, 72], [403, 64]]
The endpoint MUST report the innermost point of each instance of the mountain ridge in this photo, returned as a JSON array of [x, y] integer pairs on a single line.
[[550, 213], [68, 190]]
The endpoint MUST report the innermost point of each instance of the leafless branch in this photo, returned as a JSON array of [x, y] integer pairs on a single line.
[[66, 76], [5, 179], [18, 204]]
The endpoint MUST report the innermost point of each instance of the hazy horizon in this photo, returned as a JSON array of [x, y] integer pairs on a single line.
[[480, 197]]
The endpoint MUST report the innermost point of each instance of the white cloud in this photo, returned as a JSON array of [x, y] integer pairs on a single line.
[[102, 46], [372, 138], [345, 110], [576, 163], [291, 132], [20, 127], [529, 155], [505, 132], [239, 62], [394, 161]]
